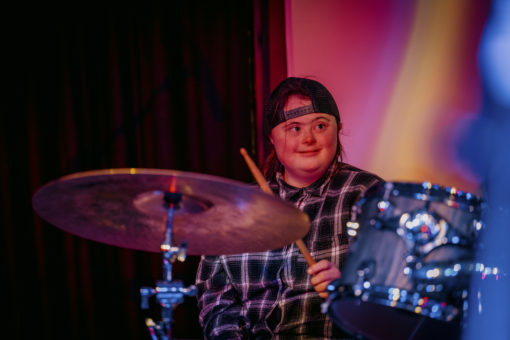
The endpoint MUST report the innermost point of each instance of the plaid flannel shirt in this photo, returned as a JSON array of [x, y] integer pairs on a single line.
[[269, 294]]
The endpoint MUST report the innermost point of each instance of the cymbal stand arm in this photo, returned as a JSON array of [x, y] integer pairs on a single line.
[[166, 247]]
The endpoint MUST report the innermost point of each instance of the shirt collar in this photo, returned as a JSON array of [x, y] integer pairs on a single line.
[[317, 188]]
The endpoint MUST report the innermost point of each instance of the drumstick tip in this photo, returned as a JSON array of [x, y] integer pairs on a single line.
[[243, 152]]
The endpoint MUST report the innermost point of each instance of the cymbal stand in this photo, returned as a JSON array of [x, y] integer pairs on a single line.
[[168, 293]]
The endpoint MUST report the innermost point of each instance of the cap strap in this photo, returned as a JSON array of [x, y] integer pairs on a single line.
[[300, 111]]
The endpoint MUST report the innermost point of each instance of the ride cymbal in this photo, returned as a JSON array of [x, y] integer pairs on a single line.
[[126, 208]]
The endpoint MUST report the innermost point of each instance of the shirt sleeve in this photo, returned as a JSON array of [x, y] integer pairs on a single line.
[[218, 301]]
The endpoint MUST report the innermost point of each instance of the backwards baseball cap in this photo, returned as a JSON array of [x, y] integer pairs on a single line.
[[321, 98]]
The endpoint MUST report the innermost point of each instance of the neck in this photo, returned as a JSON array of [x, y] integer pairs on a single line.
[[299, 181]]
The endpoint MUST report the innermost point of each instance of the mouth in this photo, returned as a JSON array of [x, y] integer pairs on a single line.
[[309, 152]]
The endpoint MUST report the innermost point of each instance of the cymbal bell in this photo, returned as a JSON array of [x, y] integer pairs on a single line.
[[126, 208]]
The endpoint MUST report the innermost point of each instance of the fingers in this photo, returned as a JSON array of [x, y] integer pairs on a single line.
[[319, 266], [321, 287], [325, 276], [323, 273], [323, 295]]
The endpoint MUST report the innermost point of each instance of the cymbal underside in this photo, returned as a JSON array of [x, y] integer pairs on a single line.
[[126, 208]]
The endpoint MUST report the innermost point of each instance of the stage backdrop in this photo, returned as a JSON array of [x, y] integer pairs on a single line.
[[404, 74], [165, 86]]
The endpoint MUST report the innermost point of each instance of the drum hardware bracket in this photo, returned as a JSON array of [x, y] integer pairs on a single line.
[[167, 295]]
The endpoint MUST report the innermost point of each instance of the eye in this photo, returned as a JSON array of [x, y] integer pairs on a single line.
[[293, 128], [321, 126]]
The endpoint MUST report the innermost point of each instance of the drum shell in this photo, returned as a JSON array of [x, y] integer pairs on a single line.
[[386, 270]]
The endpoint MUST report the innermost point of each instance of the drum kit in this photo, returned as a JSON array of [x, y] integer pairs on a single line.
[[410, 263], [406, 275]]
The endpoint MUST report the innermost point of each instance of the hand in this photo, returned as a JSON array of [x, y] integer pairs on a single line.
[[323, 272]]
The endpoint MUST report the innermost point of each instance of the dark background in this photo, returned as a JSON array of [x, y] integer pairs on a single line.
[[174, 86]]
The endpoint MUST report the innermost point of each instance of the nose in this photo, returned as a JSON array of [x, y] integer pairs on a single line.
[[308, 136]]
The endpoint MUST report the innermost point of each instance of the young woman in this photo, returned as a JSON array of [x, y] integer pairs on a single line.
[[275, 294]]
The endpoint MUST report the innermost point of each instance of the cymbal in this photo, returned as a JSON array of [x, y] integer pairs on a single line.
[[126, 208]]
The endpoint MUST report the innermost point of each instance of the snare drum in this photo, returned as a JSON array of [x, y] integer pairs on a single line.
[[408, 269]]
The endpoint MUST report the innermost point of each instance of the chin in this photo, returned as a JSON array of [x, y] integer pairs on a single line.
[[313, 171], [313, 167]]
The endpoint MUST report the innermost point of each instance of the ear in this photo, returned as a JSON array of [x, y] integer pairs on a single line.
[[270, 137]]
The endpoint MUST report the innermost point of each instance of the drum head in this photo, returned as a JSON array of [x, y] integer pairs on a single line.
[[378, 322]]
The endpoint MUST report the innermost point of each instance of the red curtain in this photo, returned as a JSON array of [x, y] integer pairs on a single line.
[[169, 87], [270, 61]]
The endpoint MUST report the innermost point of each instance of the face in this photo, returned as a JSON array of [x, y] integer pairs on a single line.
[[305, 145]]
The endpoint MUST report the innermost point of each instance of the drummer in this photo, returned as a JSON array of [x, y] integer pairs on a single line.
[[275, 294]]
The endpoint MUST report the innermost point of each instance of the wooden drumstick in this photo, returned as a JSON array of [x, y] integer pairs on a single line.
[[265, 187]]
